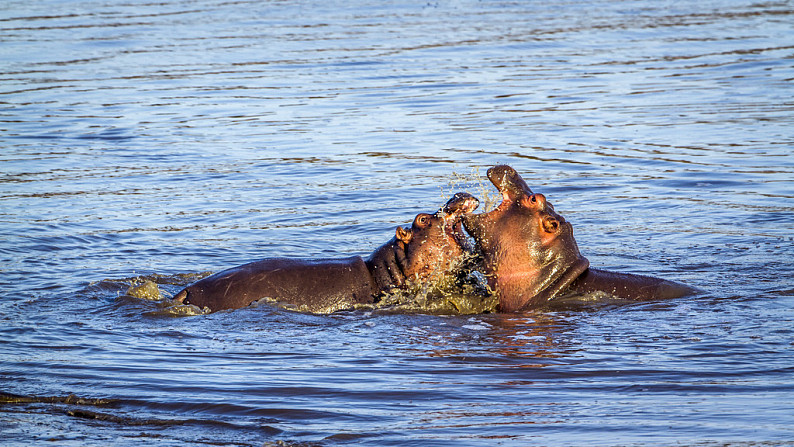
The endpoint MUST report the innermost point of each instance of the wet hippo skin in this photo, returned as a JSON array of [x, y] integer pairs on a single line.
[[435, 244], [530, 255]]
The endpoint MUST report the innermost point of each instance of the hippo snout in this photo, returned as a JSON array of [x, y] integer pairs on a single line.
[[500, 171], [461, 203], [507, 180]]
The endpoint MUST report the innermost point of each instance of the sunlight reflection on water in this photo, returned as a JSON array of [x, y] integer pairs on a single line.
[[166, 140]]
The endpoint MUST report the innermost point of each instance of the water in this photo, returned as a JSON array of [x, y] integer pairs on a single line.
[[162, 140]]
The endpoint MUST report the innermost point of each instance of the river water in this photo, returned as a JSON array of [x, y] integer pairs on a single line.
[[161, 140]]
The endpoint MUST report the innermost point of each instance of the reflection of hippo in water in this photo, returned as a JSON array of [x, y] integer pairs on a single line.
[[433, 245], [531, 256]]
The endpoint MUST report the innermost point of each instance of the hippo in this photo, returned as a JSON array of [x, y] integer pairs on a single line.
[[435, 244], [530, 256]]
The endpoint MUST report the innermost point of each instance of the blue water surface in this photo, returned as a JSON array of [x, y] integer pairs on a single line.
[[161, 140]]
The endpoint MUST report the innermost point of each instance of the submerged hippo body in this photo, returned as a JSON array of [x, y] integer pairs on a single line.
[[434, 244], [531, 257]]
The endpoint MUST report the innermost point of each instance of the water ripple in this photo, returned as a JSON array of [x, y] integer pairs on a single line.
[[160, 142]]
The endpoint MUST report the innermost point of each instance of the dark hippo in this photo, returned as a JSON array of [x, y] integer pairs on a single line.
[[530, 255], [435, 244]]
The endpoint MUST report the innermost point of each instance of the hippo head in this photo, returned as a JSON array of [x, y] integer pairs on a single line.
[[529, 251], [436, 243]]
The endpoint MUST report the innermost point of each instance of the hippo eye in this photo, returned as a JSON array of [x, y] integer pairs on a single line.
[[423, 220]]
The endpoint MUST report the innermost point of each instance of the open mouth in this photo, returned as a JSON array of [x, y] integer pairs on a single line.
[[510, 185], [460, 205], [455, 229]]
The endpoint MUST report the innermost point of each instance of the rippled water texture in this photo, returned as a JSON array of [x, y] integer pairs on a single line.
[[164, 140]]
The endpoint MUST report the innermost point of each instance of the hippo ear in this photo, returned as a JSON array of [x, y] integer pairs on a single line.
[[404, 235], [550, 224]]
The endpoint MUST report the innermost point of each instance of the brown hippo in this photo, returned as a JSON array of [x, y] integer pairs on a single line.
[[434, 244], [530, 255]]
